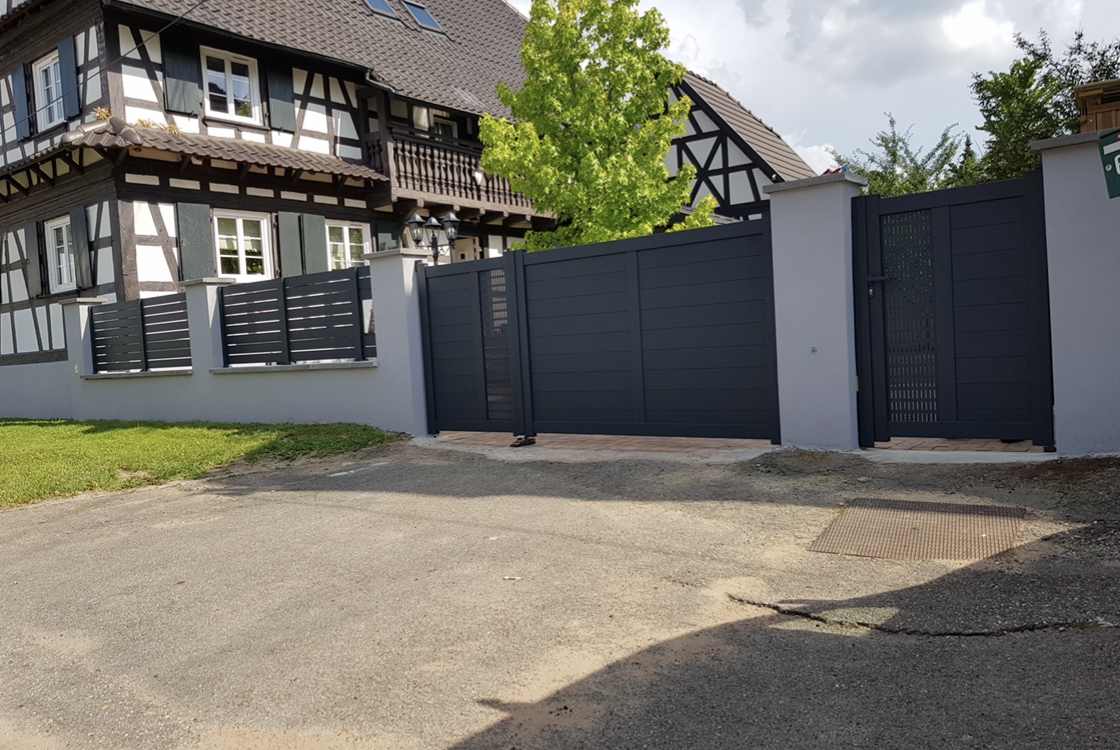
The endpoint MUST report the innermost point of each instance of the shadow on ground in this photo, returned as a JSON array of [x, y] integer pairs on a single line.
[[1020, 654]]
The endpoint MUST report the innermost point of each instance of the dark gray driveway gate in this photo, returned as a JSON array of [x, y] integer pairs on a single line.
[[664, 335], [953, 314]]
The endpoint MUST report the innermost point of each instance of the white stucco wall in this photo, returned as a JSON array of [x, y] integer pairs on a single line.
[[39, 391], [389, 394], [1083, 254], [814, 310]]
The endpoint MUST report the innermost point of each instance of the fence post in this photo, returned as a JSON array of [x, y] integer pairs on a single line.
[[205, 322], [814, 310], [79, 333], [395, 290]]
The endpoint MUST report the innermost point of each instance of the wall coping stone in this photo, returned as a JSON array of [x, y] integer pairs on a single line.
[[365, 364], [824, 179], [1066, 140], [209, 280], [178, 372]]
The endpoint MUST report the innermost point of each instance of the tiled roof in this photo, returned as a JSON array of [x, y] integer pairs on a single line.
[[459, 70], [760, 136], [227, 149]]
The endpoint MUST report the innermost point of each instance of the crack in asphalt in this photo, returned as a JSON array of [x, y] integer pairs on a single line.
[[1097, 624]]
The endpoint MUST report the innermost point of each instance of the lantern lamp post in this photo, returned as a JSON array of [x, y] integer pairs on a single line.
[[450, 226]]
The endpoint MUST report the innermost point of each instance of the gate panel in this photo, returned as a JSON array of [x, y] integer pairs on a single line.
[[953, 314], [664, 335], [466, 342]]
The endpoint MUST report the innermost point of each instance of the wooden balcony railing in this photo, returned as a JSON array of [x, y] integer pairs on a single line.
[[438, 170]]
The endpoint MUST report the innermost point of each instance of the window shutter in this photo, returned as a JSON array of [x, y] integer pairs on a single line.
[[83, 268], [23, 104], [68, 67], [181, 75], [291, 244], [281, 99], [315, 244], [196, 241], [34, 268]]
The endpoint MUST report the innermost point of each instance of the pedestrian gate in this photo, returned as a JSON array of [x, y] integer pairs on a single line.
[[953, 319], [665, 335]]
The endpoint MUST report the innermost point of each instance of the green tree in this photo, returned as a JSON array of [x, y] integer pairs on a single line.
[[895, 167], [967, 169], [1035, 100], [592, 123], [1018, 108]]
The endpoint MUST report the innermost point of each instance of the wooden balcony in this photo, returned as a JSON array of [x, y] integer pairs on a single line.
[[443, 171]]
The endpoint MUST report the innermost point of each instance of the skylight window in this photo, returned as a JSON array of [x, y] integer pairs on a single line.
[[422, 16], [381, 6]]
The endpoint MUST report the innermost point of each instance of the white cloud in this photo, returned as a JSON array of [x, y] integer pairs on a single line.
[[971, 28], [818, 157]]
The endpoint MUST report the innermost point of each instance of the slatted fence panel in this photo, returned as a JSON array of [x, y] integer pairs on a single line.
[[167, 337], [317, 317], [140, 335], [118, 337]]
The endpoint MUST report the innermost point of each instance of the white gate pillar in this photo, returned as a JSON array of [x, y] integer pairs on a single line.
[[1083, 259], [400, 348], [814, 310]]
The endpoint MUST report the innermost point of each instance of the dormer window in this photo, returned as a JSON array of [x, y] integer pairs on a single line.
[[47, 75], [381, 6], [423, 17], [232, 88]]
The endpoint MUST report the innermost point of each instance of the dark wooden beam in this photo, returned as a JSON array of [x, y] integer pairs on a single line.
[[469, 214], [242, 171], [493, 217], [70, 162], [37, 168], [295, 177], [543, 224], [184, 163], [14, 183], [405, 205]]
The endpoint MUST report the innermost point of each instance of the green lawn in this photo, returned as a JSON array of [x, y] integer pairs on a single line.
[[56, 458]]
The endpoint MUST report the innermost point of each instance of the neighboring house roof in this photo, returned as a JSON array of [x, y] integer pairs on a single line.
[[758, 135], [460, 70], [115, 133]]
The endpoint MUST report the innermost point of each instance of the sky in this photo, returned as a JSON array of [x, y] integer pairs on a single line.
[[824, 73]]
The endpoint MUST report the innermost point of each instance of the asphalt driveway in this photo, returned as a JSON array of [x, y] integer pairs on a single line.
[[420, 598]]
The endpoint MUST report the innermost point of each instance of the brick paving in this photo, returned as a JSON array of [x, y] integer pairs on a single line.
[[707, 445]]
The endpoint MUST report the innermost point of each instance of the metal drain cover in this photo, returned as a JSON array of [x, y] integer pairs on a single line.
[[912, 530]]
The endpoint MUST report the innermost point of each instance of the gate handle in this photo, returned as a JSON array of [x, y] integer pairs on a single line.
[[878, 278]]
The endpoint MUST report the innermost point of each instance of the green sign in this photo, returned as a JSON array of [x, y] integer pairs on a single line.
[[1110, 157]]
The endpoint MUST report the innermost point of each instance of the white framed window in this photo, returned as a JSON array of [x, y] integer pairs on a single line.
[[444, 127], [232, 87], [346, 243], [243, 246], [60, 254], [47, 86]]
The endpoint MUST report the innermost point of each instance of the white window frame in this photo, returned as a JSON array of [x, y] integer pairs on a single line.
[[266, 245], [257, 118], [346, 226], [49, 109], [62, 258], [437, 120]]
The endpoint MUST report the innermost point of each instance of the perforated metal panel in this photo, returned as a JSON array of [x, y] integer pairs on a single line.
[[495, 343], [908, 298]]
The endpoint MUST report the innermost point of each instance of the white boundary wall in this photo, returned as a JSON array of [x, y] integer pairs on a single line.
[[814, 314], [388, 392], [1083, 254]]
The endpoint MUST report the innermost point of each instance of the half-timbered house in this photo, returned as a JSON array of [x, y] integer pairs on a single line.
[[147, 142], [736, 154]]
